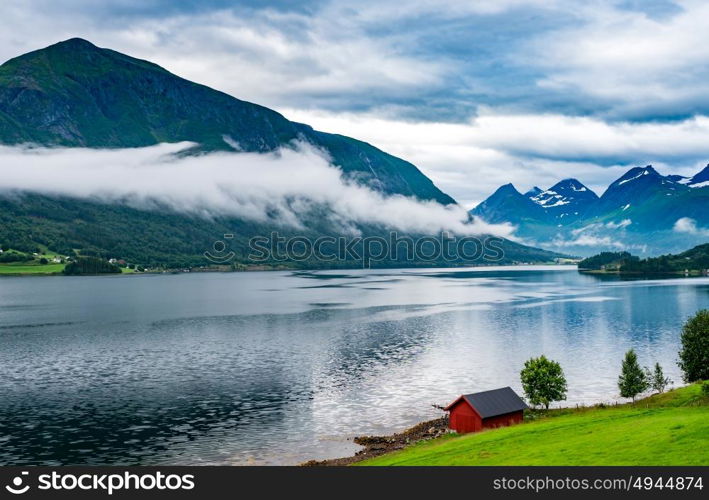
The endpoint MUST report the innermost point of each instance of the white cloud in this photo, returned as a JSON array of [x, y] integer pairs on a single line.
[[596, 242], [589, 240], [688, 225], [619, 225], [338, 50], [247, 185], [628, 56], [598, 235], [266, 56], [470, 160], [376, 13], [347, 53], [574, 137]]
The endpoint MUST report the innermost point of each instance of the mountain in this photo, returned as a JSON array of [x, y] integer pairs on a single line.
[[533, 192], [74, 94], [635, 187], [30, 222], [699, 180], [566, 200], [642, 211], [509, 205], [78, 95]]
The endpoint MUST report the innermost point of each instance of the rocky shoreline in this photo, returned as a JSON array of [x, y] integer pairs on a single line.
[[379, 445]]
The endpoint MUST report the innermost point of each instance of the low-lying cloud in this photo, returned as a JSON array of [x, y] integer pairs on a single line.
[[289, 183], [471, 160], [687, 225], [609, 236], [589, 240]]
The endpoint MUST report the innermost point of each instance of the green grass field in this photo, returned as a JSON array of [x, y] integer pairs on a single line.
[[23, 268], [666, 429], [34, 267]]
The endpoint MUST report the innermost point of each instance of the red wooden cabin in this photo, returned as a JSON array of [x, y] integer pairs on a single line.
[[484, 410]]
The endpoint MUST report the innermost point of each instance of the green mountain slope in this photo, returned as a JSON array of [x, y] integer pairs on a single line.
[[76, 94], [163, 238]]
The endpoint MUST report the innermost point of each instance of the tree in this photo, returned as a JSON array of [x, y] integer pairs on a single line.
[[694, 355], [91, 265], [657, 379], [632, 380], [543, 381]]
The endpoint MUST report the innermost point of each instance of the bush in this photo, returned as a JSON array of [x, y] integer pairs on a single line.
[[543, 381], [694, 355], [705, 388], [11, 256]]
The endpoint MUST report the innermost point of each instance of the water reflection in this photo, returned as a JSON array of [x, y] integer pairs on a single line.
[[267, 368]]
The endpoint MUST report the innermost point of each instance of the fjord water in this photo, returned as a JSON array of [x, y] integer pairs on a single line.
[[281, 367]]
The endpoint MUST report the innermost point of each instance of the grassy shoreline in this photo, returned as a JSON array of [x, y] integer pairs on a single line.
[[664, 429], [664, 274], [36, 269], [31, 269], [15, 270]]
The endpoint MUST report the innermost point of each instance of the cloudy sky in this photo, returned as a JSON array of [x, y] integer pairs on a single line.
[[475, 93]]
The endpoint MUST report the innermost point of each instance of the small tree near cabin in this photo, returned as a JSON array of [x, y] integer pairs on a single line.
[[657, 379], [694, 355], [543, 381], [632, 380]]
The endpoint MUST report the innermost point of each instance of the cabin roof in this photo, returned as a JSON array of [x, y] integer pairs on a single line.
[[493, 403]]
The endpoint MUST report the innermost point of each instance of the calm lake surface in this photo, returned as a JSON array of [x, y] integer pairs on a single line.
[[280, 367]]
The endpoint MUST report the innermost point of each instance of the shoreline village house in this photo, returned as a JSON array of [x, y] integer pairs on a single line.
[[486, 410]]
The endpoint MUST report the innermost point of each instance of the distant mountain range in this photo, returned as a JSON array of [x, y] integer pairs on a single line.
[[74, 94], [642, 211]]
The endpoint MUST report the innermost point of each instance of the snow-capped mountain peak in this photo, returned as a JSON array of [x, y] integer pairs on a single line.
[[642, 207], [700, 180], [533, 192], [567, 199], [637, 173], [566, 192]]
